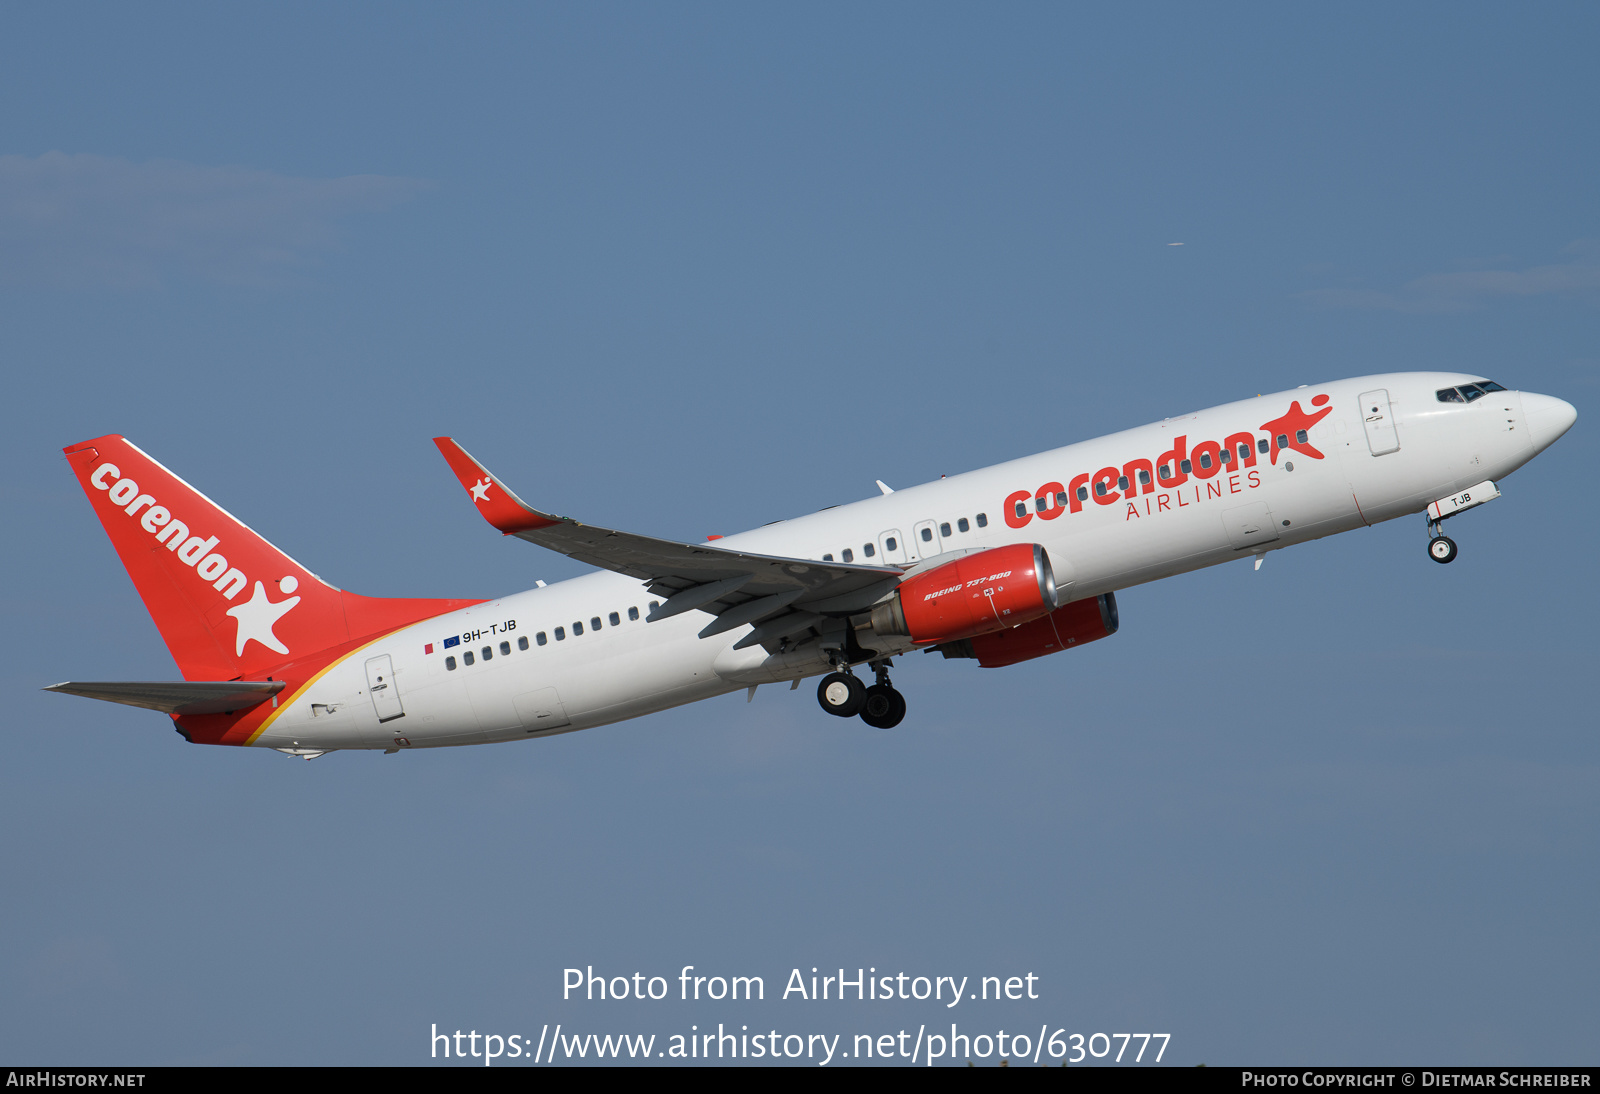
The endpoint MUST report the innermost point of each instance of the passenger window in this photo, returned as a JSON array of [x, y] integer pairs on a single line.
[[1186, 466], [1244, 452], [561, 634], [1165, 471], [1262, 446], [594, 623], [1040, 504], [1022, 509], [450, 664], [522, 643], [1083, 493], [616, 620], [1300, 435], [1225, 456], [868, 549], [577, 628], [466, 657], [1100, 489], [1144, 478], [927, 535], [1283, 440], [1205, 461], [827, 558], [849, 555], [505, 649], [654, 604], [963, 526], [890, 544], [1061, 501], [1122, 482], [488, 653], [633, 613], [983, 520]]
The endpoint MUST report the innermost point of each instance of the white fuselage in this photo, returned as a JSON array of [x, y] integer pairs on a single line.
[[1121, 538]]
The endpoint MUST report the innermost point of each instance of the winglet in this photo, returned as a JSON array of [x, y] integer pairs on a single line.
[[494, 500]]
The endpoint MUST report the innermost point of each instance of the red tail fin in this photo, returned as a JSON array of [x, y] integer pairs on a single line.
[[227, 602]]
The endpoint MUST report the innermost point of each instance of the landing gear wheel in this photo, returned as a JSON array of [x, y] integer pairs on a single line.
[[842, 694], [1442, 549], [884, 707]]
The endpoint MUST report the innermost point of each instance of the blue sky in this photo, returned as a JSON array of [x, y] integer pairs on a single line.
[[689, 270]]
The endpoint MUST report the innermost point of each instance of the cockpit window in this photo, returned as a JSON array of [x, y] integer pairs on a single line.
[[1466, 393]]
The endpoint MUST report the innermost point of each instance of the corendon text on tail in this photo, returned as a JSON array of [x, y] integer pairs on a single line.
[[1000, 565]]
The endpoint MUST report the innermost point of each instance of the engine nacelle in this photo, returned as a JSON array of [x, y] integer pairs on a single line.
[[1073, 625], [972, 595]]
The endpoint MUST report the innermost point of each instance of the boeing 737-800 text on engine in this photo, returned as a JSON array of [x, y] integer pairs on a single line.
[[1005, 564]]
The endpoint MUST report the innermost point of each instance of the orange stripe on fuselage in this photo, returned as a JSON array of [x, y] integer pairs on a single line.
[[246, 726]]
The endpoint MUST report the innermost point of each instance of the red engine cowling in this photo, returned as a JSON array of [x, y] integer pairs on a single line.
[[975, 594], [1073, 625]]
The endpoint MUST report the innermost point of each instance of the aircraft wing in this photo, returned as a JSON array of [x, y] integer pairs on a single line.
[[736, 586]]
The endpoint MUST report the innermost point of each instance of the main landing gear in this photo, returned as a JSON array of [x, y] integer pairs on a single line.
[[1441, 548], [880, 706]]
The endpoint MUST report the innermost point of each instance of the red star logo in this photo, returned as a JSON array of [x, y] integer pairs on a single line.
[[1290, 425]]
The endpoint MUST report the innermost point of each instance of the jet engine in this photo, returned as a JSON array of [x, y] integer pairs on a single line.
[[972, 595], [1072, 625]]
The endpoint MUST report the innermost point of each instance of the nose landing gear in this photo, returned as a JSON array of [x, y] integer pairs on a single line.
[[1441, 548], [880, 706]]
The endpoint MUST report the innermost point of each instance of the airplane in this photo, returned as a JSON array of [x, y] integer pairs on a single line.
[[999, 565]]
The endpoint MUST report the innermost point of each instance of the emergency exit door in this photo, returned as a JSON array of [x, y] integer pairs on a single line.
[[926, 541]]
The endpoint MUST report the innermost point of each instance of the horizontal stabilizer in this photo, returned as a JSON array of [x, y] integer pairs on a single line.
[[178, 696]]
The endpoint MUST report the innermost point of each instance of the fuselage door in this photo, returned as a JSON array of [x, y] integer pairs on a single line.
[[892, 545], [927, 542], [1250, 524], [1379, 420], [381, 686], [541, 710]]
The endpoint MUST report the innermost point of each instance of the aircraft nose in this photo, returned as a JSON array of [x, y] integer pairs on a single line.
[[1548, 418]]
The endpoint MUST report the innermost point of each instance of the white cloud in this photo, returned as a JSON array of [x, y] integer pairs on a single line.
[[76, 220], [1452, 292]]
